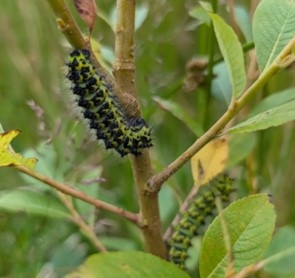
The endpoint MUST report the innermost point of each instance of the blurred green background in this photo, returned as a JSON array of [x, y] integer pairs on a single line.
[[36, 238]]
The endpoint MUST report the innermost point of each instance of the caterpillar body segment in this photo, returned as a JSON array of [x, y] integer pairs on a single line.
[[102, 109]]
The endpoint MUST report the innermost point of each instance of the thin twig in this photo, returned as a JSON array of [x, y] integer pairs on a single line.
[[79, 194], [66, 23]]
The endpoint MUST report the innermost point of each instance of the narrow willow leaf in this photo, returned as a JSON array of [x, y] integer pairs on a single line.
[[240, 146], [20, 200], [243, 19], [180, 114], [221, 85], [141, 15], [280, 256], [274, 100], [118, 243], [125, 265], [272, 117], [232, 53], [273, 28], [249, 226], [200, 14], [206, 6]]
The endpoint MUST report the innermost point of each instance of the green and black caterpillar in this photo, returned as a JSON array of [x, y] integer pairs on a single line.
[[197, 215], [100, 106]]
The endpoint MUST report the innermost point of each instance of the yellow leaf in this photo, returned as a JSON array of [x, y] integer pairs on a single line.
[[8, 157], [210, 161]]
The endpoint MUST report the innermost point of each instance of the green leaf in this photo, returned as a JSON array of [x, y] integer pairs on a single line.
[[232, 53], [206, 6], [142, 11], [274, 100], [243, 19], [90, 186], [180, 114], [272, 117], [200, 14], [280, 256], [239, 148], [249, 226], [47, 157], [221, 84], [127, 264], [32, 202], [118, 243], [273, 28]]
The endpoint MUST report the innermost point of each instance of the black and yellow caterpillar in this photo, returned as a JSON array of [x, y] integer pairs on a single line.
[[100, 106], [196, 216]]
